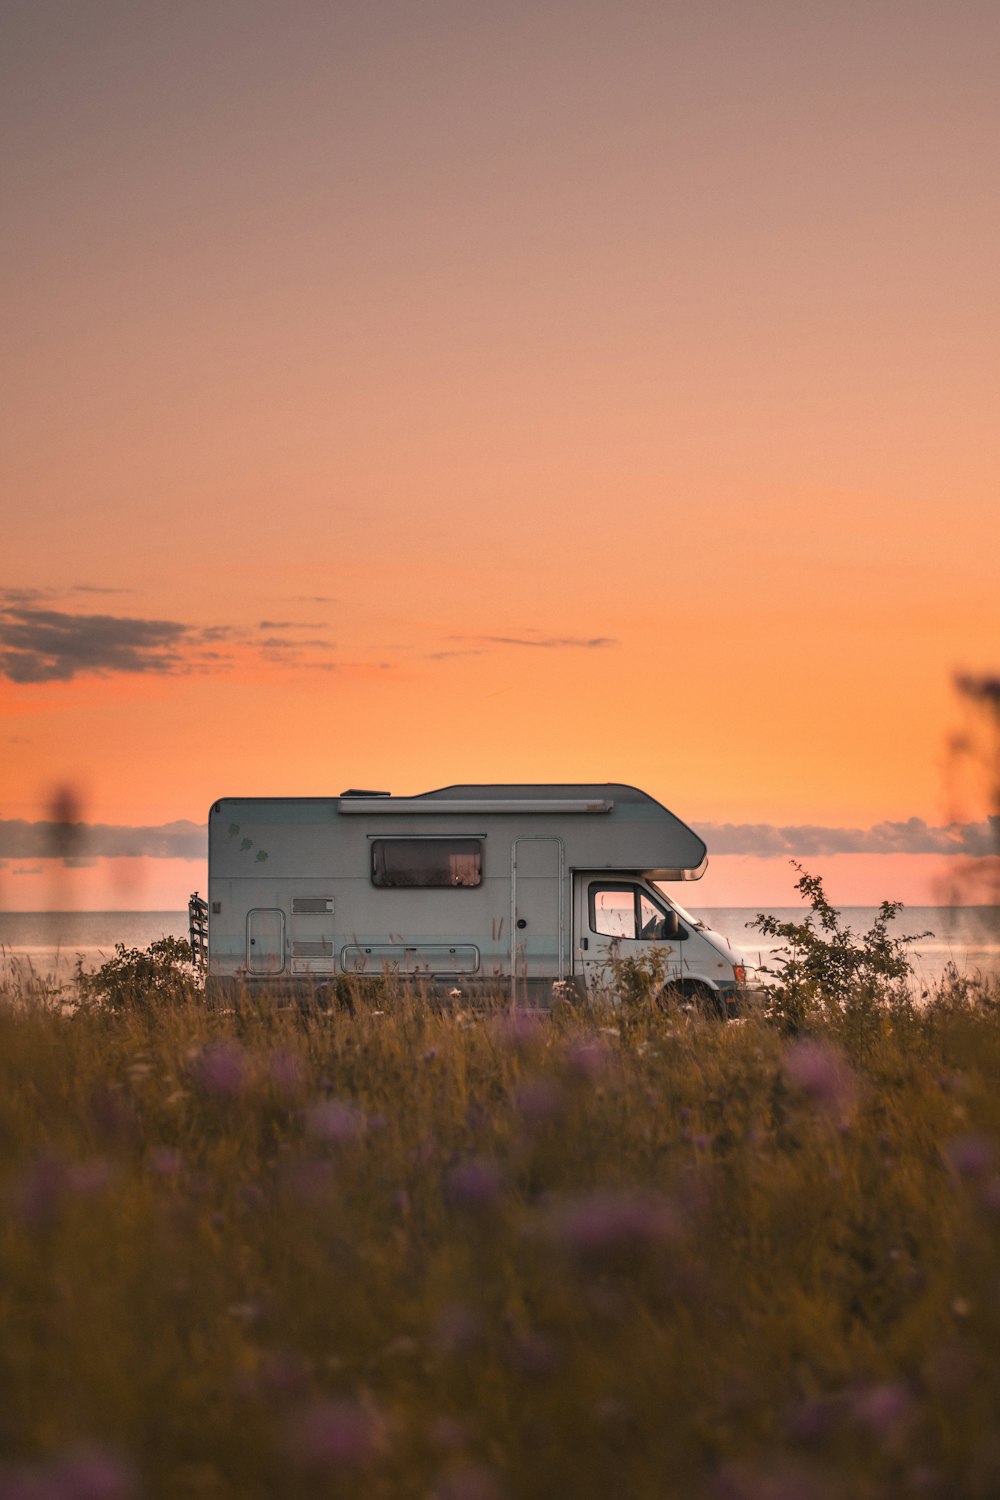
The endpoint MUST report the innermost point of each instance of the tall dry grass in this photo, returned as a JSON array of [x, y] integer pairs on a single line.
[[472, 1255]]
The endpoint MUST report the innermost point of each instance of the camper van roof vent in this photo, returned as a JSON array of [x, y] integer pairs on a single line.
[[355, 792]]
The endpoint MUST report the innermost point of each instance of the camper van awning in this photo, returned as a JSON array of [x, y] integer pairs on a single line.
[[447, 807]]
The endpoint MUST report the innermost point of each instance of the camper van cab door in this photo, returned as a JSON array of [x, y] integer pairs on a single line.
[[618, 919]]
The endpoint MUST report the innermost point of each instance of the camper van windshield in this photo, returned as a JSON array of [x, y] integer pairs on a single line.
[[691, 920], [427, 862]]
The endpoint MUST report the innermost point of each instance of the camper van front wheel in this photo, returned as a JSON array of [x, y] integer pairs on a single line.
[[690, 994]]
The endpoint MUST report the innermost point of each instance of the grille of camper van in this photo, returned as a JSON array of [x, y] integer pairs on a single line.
[[304, 906]]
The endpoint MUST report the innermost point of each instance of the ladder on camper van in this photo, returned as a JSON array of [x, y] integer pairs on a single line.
[[198, 931]]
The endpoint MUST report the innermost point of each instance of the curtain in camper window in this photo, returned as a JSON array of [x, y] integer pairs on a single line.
[[426, 862]]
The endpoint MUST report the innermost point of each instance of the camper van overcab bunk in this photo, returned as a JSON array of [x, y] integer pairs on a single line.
[[511, 889]]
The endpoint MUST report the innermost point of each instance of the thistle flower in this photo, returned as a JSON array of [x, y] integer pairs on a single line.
[[970, 1155], [882, 1409], [474, 1182], [335, 1434], [471, 1482], [822, 1073], [220, 1069], [589, 1058], [165, 1161], [538, 1100], [88, 1472], [519, 1031], [611, 1224], [40, 1193], [337, 1120]]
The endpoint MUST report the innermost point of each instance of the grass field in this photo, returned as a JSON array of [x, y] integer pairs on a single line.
[[481, 1255]]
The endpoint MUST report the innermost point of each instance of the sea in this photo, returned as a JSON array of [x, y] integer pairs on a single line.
[[51, 943]]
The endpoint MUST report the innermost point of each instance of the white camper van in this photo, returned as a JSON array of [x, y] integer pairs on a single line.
[[492, 888]]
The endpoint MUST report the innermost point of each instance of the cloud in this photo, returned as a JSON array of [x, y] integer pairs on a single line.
[[25, 870], [93, 588], [914, 836], [186, 840], [48, 840], [542, 642], [42, 643], [291, 625], [48, 645]]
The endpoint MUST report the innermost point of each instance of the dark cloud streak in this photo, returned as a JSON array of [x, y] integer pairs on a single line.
[[797, 841], [21, 840], [48, 645], [541, 642]]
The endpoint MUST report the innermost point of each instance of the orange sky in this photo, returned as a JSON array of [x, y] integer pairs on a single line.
[[550, 391]]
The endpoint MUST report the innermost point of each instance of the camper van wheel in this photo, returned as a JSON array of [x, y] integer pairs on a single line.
[[692, 995]]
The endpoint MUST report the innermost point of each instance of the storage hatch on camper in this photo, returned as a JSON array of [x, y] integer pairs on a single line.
[[436, 960], [312, 930]]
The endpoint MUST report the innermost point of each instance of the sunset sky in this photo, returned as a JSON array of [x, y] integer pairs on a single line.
[[398, 394]]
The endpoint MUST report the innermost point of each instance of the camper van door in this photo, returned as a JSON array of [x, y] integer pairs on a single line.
[[538, 912], [617, 918]]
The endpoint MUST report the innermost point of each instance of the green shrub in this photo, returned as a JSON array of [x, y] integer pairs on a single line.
[[826, 970], [163, 973]]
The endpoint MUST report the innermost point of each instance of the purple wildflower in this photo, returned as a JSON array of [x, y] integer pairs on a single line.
[[538, 1101], [90, 1177], [335, 1434], [612, 1223], [786, 1482], [474, 1183], [165, 1161], [39, 1195], [589, 1058], [84, 1473], [882, 1409], [220, 1069], [471, 1482], [336, 1120], [519, 1031], [970, 1155], [822, 1073]]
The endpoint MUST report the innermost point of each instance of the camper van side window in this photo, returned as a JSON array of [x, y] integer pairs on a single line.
[[612, 910], [427, 862]]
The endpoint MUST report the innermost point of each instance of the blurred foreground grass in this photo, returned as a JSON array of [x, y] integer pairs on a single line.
[[406, 1253]]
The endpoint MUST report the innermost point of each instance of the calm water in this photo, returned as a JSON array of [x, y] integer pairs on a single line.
[[967, 936]]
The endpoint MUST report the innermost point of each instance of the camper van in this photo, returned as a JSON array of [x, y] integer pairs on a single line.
[[522, 889]]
